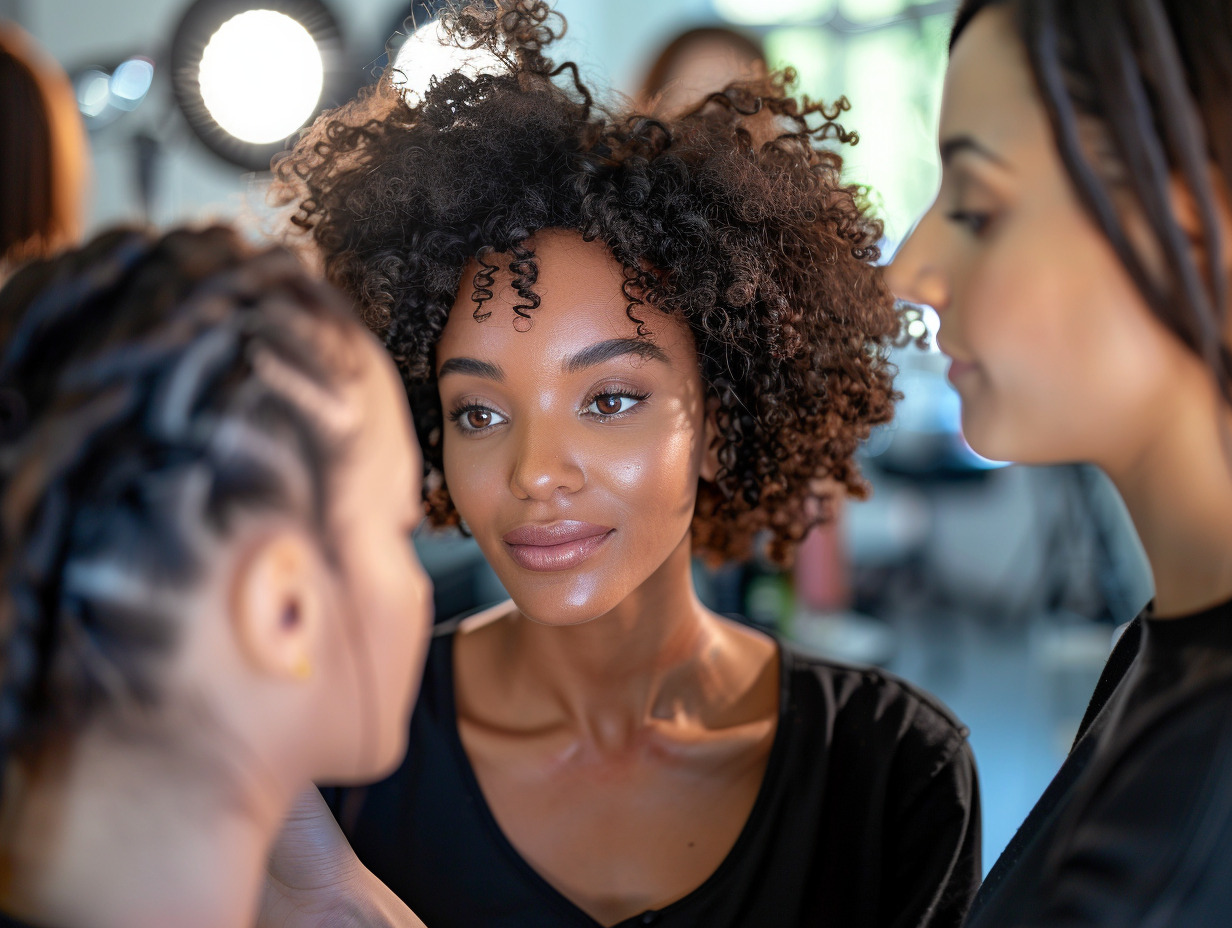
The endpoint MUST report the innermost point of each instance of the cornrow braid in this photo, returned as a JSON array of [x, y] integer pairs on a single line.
[[151, 390]]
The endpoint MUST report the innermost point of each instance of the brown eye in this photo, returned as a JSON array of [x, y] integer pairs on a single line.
[[608, 404], [478, 418]]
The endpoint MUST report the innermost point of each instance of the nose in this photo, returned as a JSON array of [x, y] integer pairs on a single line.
[[916, 274], [546, 462]]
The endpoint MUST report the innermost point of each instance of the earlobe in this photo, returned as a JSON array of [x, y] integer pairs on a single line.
[[276, 606]]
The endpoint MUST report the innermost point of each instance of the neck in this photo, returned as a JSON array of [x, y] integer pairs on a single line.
[[1178, 489], [107, 834], [650, 657]]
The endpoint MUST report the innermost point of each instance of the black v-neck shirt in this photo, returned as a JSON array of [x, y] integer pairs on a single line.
[[868, 816], [1136, 828], [8, 921]]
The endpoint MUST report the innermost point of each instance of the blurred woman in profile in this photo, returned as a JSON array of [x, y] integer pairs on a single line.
[[1079, 255], [43, 173], [207, 485]]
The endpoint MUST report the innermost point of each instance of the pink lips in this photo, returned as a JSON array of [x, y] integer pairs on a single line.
[[959, 369], [555, 546]]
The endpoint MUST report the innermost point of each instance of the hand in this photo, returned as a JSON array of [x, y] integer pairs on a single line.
[[314, 879]]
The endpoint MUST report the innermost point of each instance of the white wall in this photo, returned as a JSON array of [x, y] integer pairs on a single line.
[[611, 40]]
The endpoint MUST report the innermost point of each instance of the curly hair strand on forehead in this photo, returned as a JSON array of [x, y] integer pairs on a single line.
[[735, 217]]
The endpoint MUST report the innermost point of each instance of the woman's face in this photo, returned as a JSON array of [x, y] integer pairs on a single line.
[[387, 617], [572, 450], [1054, 352]]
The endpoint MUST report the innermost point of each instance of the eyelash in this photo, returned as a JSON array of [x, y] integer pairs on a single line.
[[975, 222], [621, 393], [457, 414]]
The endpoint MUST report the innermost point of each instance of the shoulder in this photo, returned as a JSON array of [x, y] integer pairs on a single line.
[[1148, 837], [878, 723], [866, 696]]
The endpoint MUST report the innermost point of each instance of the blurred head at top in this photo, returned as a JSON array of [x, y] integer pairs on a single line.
[[696, 63], [43, 172]]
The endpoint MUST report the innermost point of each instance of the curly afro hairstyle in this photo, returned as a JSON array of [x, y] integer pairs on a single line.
[[734, 216]]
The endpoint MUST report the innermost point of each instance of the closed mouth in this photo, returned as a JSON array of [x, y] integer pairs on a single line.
[[556, 545]]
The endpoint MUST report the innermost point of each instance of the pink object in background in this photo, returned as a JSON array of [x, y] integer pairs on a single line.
[[822, 571]]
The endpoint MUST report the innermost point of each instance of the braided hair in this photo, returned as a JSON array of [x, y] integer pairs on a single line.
[[152, 389], [733, 217], [1155, 78]]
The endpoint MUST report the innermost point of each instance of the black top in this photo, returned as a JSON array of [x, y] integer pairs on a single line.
[[1136, 828], [868, 816], [8, 921]]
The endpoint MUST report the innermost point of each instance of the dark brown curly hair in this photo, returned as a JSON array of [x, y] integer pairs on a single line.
[[735, 217]]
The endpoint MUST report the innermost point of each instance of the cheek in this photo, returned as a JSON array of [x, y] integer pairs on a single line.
[[1069, 353], [661, 462], [475, 473], [393, 601], [658, 468]]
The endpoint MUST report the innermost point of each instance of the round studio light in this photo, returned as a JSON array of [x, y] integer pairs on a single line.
[[427, 54], [248, 74], [242, 71]]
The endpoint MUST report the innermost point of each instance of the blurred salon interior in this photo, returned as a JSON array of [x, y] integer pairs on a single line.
[[999, 588]]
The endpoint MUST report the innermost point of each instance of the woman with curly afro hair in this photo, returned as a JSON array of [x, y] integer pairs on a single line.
[[628, 341]]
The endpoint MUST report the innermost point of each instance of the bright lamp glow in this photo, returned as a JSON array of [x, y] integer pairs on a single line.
[[428, 53], [261, 76], [131, 82]]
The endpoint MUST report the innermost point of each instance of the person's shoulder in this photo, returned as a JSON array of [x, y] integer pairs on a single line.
[[1182, 744], [1147, 838], [871, 703]]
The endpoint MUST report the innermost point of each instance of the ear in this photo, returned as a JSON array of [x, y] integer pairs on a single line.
[[277, 605], [711, 441], [1189, 217]]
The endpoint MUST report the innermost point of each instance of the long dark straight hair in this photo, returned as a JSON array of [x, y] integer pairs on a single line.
[[1155, 78]]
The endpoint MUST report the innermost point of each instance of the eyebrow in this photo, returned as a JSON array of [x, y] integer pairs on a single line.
[[613, 348], [472, 366], [952, 147]]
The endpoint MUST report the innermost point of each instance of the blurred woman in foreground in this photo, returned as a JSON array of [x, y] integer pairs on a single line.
[[207, 485]]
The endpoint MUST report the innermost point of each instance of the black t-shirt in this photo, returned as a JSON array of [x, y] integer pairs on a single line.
[[868, 816], [1136, 828], [8, 921]]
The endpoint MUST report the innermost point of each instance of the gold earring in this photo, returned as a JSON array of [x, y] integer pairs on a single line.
[[303, 668]]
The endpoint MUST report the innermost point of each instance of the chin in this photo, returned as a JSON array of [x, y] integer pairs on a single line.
[[1019, 449], [388, 757], [560, 608]]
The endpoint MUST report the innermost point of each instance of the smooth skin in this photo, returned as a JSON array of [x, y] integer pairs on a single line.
[[619, 730], [164, 816], [1055, 354]]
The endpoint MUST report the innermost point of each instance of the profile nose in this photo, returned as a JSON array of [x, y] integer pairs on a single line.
[[546, 463], [916, 275]]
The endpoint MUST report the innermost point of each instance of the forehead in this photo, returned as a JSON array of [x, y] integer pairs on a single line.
[[989, 92], [580, 286]]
